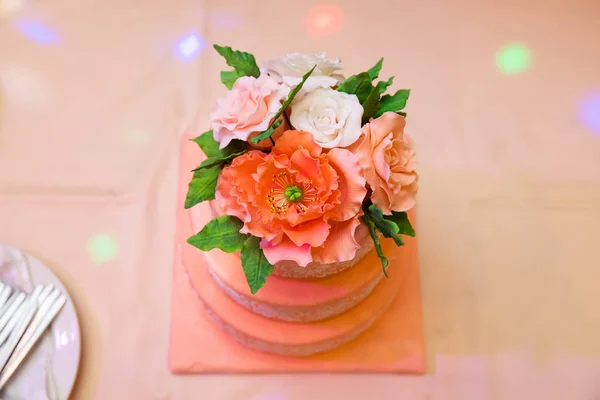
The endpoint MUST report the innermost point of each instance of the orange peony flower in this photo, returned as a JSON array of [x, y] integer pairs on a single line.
[[388, 161], [303, 203]]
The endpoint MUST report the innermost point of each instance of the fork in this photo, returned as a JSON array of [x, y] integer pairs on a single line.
[[48, 310]]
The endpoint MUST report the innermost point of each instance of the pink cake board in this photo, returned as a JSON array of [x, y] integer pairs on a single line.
[[394, 344]]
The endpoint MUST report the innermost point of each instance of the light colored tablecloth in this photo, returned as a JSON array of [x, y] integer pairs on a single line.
[[509, 203]]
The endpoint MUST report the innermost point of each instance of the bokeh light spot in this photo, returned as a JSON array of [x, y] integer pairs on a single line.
[[189, 46], [513, 58], [24, 87], [137, 137], [37, 32], [324, 20], [589, 112], [7, 6], [102, 248]]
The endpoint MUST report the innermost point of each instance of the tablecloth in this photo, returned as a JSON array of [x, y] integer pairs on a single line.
[[504, 110]]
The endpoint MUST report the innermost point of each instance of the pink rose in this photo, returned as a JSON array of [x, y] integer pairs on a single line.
[[247, 108], [385, 154]]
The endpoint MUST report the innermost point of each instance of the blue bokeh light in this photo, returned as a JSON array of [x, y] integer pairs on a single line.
[[37, 31], [589, 112], [189, 46]]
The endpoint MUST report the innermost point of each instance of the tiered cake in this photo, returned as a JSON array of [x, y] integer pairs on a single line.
[[294, 316], [305, 173]]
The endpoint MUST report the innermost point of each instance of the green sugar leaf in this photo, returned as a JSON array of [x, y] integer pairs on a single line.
[[402, 222], [208, 144], [276, 122], [229, 77], [360, 85], [256, 267], [220, 233], [243, 63], [383, 85], [202, 187], [397, 102], [370, 106], [376, 69], [220, 160], [388, 228], [266, 134], [371, 225]]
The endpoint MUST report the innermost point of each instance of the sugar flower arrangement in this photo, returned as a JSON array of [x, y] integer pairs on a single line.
[[298, 158]]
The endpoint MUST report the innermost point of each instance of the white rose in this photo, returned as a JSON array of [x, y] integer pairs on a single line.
[[289, 70], [334, 118]]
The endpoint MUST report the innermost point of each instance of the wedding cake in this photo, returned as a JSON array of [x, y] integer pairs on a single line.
[[304, 193]]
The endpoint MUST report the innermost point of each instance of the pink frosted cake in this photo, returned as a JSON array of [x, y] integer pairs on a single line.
[[306, 184]]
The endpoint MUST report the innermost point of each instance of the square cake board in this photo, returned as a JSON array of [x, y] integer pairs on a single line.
[[394, 344]]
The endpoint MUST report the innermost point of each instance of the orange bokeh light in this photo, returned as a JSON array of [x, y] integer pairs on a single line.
[[324, 20]]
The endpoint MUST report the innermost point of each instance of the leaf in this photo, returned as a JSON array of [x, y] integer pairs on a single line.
[[374, 71], [202, 187], [267, 134], [220, 233], [388, 228], [256, 266], [243, 63], [370, 106], [375, 237], [402, 222], [229, 77], [383, 85], [397, 102], [220, 160], [360, 85], [208, 144]]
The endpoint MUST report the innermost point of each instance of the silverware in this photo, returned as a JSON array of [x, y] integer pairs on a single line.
[[49, 309], [25, 315], [4, 294], [9, 309], [38, 294], [45, 305]]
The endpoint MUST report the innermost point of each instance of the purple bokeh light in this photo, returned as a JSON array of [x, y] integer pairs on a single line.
[[189, 46], [589, 112], [37, 31]]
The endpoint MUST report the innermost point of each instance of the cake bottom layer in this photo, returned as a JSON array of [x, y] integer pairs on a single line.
[[394, 343]]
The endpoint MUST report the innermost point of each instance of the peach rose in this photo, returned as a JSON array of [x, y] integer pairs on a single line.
[[388, 160], [303, 203], [247, 108]]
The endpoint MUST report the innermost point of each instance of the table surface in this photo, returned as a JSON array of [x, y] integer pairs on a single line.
[[505, 111]]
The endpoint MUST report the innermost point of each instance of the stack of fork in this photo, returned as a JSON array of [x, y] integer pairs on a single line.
[[23, 320]]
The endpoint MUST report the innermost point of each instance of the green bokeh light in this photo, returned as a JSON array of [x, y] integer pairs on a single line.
[[102, 248], [513, 58], [137, 137]]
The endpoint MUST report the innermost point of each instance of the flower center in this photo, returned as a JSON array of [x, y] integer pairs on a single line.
[[286, 190], [293, 193]]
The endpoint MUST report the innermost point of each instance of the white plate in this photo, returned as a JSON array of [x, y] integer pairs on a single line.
[[55, 360]]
